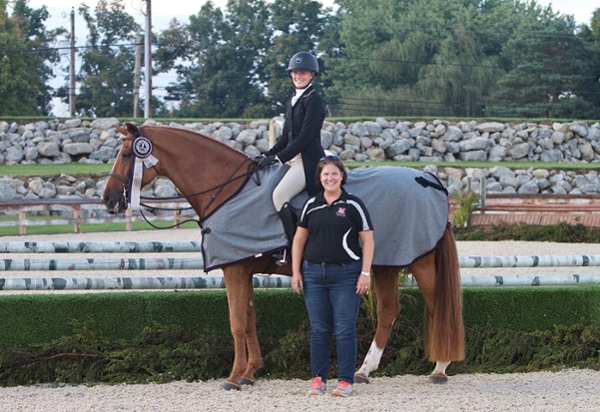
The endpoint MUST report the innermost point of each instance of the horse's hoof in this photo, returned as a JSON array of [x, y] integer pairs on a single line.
[[246, 381], [360, 378], [438, 379], [228, 386]]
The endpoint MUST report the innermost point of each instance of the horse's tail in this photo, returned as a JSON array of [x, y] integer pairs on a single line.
[[445, 329]]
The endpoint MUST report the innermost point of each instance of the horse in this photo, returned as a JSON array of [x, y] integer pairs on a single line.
[[208, 173]]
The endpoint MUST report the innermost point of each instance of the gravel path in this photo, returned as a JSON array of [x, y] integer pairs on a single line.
[[572, 390]]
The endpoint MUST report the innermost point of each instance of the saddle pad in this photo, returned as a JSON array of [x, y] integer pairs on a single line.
[[408, 209]]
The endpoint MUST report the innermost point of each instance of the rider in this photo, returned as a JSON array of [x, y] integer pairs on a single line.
[[300, 143]]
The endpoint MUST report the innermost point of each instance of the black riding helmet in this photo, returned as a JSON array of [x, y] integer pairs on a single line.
[[303, 61]]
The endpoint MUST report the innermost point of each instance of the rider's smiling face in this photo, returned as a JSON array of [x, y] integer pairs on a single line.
[[301, 78]]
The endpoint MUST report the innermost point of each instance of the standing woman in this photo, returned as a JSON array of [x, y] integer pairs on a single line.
[[300, 143], [328, 262]]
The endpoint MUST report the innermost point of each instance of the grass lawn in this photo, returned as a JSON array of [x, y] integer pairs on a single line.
[[84, 169], [85, 228], [73, 169]]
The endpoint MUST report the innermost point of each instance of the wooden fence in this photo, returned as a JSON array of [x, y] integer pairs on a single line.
[[84, 211], [494, 209], [538, 210]]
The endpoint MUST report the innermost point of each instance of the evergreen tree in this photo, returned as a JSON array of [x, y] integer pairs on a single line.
[[552, 72]]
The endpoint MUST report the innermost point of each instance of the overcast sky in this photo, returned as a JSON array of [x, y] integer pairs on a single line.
[[165, 10]]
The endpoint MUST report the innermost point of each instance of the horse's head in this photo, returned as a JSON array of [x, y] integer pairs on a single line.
[[119, 183]]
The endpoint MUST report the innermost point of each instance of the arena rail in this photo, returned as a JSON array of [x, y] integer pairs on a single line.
[[83, 211], [494, 208], [536, 209], [206, 282]]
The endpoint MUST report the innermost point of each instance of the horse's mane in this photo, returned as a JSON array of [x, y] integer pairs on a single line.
[[193, 133]]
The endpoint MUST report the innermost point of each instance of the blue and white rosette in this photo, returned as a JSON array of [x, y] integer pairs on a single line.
[[142, 149]]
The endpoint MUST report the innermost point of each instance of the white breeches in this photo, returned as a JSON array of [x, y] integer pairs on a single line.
[[292, 183]]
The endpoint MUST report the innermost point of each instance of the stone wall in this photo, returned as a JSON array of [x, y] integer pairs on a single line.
[[74, 140]]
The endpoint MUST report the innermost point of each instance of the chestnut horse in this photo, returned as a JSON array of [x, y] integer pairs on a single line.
[[208, 173]]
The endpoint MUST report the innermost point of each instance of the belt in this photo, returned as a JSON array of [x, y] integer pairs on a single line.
[[331, 263]]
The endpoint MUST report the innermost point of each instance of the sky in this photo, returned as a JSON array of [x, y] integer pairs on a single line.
[[163, 11]]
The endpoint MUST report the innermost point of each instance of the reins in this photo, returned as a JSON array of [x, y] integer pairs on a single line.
[[220, 188]]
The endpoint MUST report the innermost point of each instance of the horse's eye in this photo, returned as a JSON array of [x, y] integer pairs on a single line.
[[127, 155]]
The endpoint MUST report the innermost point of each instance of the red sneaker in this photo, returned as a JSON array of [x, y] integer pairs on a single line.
[[318, 387], [343, 389]]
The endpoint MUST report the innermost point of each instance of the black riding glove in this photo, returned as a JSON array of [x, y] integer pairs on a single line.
[[266, 161]]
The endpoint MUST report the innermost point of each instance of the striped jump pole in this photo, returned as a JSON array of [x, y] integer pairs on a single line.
[[528, 261], [198, 263], [101, 264], [100, 247], [530, 280], [133, 283]]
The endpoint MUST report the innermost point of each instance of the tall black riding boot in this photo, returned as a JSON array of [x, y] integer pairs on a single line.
[[288, 218]]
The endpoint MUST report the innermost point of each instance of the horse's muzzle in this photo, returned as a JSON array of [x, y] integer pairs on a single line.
[[114, 206]]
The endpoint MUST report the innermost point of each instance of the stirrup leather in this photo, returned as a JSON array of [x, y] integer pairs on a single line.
[[282, 259]]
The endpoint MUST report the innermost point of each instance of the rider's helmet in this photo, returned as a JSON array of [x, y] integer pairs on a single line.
[[303, 61]]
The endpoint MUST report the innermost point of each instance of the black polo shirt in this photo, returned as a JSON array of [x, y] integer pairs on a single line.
[[333, 230]]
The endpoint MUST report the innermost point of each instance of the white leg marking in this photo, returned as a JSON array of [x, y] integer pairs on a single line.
[[440, 368], [371, 361]]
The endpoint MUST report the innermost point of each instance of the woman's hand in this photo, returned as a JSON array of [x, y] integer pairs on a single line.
[[297, 282], [300, 239], [363, 285]]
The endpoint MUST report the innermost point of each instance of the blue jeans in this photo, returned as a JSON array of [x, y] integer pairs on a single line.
[[332, 304]]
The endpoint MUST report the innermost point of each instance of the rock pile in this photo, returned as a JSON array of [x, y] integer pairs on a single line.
[[74, 140]]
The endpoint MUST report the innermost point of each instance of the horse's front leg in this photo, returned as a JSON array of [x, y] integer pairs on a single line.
[[240, 296], [386, 290]]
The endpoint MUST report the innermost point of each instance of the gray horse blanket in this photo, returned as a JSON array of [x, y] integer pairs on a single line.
[[408, 209]]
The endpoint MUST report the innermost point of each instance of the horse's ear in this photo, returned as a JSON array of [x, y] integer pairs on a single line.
[[133, 129], [121, 130]]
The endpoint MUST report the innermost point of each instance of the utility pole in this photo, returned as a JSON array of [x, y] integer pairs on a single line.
[[136, 78], [72, 65], [148, 61]]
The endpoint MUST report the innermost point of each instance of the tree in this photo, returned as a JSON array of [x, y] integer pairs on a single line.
[[591, 36], [107, 69], [222, 75], [24, 70], [553, 73], [461, 75], [436, 55]]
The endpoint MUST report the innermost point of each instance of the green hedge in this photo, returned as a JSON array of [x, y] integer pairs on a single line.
[[532, 308], [34, 319], [163, 336]]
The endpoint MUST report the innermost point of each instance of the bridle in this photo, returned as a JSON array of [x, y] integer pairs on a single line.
[[128, 183]]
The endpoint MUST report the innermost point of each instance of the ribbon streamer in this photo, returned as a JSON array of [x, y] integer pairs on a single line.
[[136, 183]]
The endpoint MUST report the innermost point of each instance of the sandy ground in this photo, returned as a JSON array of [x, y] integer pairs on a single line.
[[572, 390]]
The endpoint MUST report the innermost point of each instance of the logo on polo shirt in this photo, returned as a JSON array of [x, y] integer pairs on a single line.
[[341, 212]]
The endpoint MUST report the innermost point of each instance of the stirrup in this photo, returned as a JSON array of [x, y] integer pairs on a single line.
[[282, 259]]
